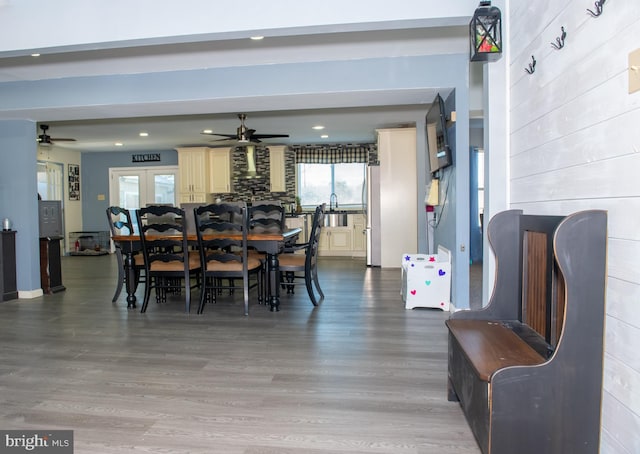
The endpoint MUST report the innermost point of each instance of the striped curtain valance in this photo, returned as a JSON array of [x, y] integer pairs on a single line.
[[332, 154]]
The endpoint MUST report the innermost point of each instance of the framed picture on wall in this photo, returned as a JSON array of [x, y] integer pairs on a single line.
[[74, 182]]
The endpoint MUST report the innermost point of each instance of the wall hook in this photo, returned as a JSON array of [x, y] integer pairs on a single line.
[[559, 44], [532, 66], [599, 6]]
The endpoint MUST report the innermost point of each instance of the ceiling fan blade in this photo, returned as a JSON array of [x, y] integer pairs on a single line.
[[269, 136], [61, 139], [229, 136]]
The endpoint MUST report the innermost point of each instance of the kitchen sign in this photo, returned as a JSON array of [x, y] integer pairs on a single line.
[[149, 157]]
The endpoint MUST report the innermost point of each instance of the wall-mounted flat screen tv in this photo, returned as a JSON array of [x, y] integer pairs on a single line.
[[437, 141]]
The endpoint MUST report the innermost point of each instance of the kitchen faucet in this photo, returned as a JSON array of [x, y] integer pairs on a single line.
[[333, 201]]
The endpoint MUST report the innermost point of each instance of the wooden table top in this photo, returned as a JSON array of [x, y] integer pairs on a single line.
[[288, 234]]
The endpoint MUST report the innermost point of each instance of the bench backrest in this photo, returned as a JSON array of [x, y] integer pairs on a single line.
[[528, 285], [542, 296]]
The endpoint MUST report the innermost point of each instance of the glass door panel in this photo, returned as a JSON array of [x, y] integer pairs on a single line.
[[164, 188], [138, 187], [129, 192]]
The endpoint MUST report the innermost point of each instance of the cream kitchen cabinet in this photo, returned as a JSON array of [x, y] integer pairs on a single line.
[[193, 164], [335, 241], [344, 241], [221, 170], [358, 222], [277, 171]]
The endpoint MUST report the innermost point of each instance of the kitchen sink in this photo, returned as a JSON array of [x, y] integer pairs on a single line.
[[335, 219]]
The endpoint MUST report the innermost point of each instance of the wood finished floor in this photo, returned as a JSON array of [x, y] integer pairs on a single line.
[[358, 374]]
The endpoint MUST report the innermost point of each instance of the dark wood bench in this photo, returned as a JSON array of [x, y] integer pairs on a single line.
[[527, 368]]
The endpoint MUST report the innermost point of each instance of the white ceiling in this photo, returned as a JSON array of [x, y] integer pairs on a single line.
[[349, 117]]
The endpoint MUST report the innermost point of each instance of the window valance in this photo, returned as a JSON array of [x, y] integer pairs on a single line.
[[333, 154]]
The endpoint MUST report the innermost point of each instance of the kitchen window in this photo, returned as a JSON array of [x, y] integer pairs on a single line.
[[316, 183]]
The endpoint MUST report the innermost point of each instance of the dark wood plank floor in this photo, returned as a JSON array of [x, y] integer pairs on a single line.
[[359, 374]]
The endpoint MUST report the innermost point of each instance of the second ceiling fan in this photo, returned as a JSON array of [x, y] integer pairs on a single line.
[[46, 139], [244, 134]]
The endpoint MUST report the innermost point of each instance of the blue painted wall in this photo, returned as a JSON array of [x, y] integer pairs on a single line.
[[19, 197], [94, 179]]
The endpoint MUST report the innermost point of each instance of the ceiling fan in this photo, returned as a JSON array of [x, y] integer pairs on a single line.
[[45, 139], [245, 135]]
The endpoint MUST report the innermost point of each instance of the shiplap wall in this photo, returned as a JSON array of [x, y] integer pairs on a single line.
[[574, 145]]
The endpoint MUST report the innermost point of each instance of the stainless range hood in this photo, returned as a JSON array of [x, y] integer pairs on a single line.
[[250, 171]]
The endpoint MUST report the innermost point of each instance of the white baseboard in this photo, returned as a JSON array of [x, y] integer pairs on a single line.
[[30, 294]]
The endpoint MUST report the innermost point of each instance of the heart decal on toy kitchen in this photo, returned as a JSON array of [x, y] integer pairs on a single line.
[[413, 292], [427, 282], [432, 259], [441, 273]]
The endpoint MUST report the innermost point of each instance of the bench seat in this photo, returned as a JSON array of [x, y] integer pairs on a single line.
[[490, 345]]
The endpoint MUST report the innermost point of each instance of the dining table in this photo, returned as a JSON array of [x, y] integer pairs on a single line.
[[272, 244]]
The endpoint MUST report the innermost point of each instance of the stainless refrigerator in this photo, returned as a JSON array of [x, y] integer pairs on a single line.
[[374, 255]]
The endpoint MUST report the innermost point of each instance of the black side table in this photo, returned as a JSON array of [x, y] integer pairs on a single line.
[[8, 286]]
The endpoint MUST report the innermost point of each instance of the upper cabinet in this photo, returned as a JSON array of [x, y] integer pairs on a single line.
[[221, 170], [277, 156], [193, 163]]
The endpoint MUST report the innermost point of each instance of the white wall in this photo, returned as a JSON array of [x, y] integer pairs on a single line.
[[574, 145]]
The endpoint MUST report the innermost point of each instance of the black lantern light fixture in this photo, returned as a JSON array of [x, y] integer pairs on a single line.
[[485, 33]]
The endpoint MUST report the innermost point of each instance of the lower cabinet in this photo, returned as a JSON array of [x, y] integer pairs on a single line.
[[359, 237], [344, 241], [335, 239]]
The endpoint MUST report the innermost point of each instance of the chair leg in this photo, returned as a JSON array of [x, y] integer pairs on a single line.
[[245, 285], [290, 278], [147, 293], [187, 289], [120, 276], [203, 295], [119, 286], [312, 296], [208, 292], [317, 283]]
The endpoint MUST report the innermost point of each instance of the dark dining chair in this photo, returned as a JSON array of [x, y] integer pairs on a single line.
[[298, 269], [267, 217], [120, 223], [224, 257], [169, 264]]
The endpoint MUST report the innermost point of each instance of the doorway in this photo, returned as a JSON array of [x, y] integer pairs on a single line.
[[136, 187], [50, 180], [476, 207]]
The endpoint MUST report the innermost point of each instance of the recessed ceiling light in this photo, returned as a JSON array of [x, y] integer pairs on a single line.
[[257, 38], [119, 144], [317, 127], [35, 55], [324, 136], [207, 131], [144, 134]]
